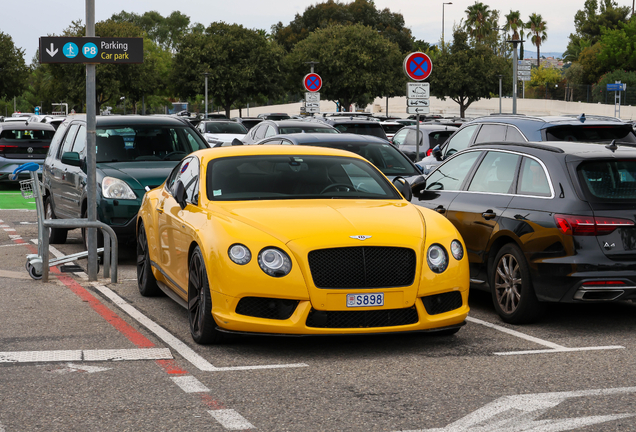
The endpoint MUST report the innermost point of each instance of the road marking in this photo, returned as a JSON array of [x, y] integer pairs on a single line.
[[85, 355], [518, 413], [14, 237], [72, 367], [13, 244], [555, 348], [14, 275], [230, 419], [190, 384], [176, 344]]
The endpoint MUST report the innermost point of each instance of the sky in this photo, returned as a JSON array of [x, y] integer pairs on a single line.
[[26, 22]]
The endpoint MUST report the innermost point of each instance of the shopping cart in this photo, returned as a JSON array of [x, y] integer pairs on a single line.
[[37, 265]]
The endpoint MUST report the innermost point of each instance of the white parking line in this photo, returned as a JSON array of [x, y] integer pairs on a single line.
[[190, 384], [230, 419], [85, 355], [177, 345], [555, 348]]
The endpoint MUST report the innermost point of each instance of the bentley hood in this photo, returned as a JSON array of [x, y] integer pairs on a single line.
[[332, 222]]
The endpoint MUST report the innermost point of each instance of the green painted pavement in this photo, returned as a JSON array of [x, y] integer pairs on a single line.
[[14, 200]]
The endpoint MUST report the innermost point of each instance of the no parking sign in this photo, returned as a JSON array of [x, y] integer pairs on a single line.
[[312, 82], [418, 66]]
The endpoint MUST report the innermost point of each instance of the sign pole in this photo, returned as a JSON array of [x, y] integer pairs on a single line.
[[417, 138], [91, 126]]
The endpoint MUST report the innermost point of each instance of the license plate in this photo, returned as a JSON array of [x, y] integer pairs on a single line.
[[365, 300]]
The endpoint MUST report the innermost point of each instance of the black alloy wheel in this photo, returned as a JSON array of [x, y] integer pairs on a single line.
[[512, 293], [146, 281], [56, 235], [203, 328]]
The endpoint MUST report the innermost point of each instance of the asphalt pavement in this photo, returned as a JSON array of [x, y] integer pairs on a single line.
[[78, 356]]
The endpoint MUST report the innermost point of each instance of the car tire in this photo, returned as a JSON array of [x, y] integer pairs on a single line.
[[203, 328], [56, 235], [146, 281], [511, 287]]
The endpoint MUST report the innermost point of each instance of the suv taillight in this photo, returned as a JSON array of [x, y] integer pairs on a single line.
[[4, 147], [589, 225]]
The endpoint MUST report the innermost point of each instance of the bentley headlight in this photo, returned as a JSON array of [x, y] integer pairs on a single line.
[[240, 254], [274, 262], [116, 189], [437, 258], [457, 250]]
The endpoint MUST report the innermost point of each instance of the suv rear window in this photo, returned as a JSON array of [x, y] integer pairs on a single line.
[[591, 133], [373, 129], [609, 180], [26, 134]]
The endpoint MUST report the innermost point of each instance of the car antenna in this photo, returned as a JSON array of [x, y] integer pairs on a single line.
[[612, 146]]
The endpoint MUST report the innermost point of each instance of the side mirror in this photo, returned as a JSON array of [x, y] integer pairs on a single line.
[[72, 159], [437, 152], [180, 195], [404, 187], [418, 187], [236, 142]]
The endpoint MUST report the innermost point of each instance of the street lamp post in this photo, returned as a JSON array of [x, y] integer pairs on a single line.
[[123, 98], [500, 77], [444, 4], [514, 43], [206, 94]]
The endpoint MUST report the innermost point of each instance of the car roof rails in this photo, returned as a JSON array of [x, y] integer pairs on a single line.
[[522, 144]]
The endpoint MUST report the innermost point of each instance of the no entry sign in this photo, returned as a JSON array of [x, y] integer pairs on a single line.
[[418, 66], [312, 82]]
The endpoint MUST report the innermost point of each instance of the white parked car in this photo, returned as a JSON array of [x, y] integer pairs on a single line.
[[222, 132]]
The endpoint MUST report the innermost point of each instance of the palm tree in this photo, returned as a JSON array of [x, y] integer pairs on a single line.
[[538, 28], [478, 22], [513, 22]]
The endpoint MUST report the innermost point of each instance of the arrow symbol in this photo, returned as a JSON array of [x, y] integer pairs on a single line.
[[53, 50]]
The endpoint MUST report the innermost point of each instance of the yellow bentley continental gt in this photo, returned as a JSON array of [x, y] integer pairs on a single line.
[[298, 240]]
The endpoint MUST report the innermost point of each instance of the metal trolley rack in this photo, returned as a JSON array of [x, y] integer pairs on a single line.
[[37, 265]]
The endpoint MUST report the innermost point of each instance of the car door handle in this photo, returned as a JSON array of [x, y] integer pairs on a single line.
[[489, 214], [440, 209]]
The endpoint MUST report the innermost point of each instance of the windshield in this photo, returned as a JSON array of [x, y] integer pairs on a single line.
[[26, 134], [146, 143], [225, 127], [608, 180], [391, 129], [367, 128], [275, 177], [306, 129], [591, 133], [385, 157]]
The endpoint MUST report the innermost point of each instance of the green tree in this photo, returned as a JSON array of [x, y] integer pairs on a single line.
[[332, 12], [478, 21], [467, 74], [165, 32], [14, 73], [538, 28], [543, 76], [513, 24], [241, 64], [357, 64], [592, 67], [625, 77], [618, 47]]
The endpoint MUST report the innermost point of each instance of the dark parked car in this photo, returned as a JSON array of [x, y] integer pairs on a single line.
[[379, 152], [521, 128], [430, 136], [134, 154], [355, 125], [274, 116], [269, 128], [542, 222], [22, 142], [248, 122]]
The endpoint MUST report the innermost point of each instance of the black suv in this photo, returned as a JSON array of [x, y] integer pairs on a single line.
[[356, 125], [134, 155], [268, 128], [542, 222], [521, 128]]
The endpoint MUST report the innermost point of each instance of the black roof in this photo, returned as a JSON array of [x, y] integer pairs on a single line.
[[580, 149], [295, 123], [137, 120], [344, 138], [24, 125]]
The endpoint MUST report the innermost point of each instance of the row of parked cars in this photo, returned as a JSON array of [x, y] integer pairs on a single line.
[[513, 208]]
